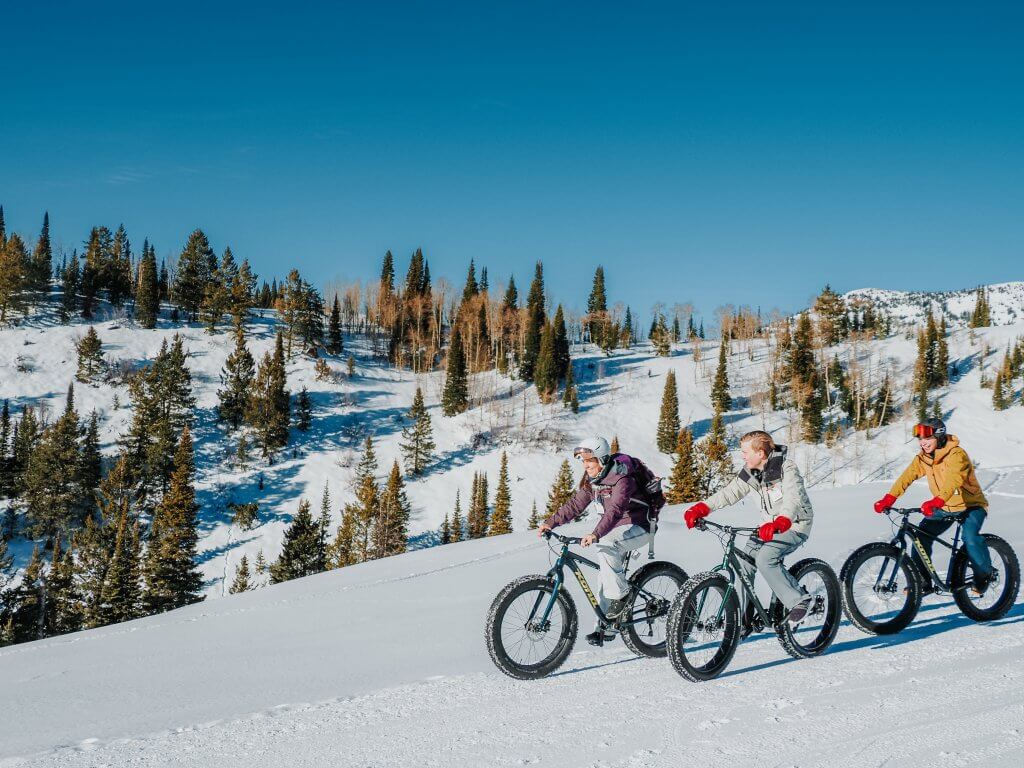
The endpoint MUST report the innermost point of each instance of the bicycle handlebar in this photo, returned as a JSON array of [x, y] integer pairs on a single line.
[[905, 511], [561, 538], [702, 523]]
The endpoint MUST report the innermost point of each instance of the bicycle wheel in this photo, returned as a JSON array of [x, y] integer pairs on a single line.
[[818, 629], [646, 623], [520, 644], [1002, 591], [703, 627], [881, 592]]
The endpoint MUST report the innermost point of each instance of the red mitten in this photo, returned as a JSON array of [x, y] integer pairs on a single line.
[[932, 506], [766, 531], [884, 503], [695, 513], [782, 524]]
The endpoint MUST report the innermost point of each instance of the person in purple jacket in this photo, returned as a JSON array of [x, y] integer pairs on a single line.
[[623, 526]]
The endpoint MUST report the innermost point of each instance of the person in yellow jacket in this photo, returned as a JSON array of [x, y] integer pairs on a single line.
[[955, 492]]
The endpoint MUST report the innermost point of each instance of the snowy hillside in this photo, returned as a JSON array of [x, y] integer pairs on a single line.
[[620, 396], [384, 664], [1006, 299]]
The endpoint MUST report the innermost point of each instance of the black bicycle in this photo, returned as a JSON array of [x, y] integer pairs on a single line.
[[704, 627], [883, 584], [532, 623]]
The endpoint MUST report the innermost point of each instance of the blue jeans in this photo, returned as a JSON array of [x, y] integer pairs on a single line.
[[977, 550]]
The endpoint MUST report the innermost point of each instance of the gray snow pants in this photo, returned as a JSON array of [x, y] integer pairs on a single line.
[[768, 556], [612, 551]]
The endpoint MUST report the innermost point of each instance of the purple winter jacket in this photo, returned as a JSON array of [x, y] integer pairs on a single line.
[[617, 493]]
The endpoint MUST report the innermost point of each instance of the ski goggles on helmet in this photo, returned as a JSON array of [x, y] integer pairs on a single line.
[[924, 431], [582, 454]]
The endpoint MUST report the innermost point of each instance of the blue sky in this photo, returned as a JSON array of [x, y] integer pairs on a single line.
[[713, 152]]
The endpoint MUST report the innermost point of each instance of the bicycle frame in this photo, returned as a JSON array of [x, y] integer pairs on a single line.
[[914, 532], [731, 566], [573, 561]]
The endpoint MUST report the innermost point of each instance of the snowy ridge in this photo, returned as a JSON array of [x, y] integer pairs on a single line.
[[910, 307]]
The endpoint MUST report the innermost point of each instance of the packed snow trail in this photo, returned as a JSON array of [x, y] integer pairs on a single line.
[[385, 664]]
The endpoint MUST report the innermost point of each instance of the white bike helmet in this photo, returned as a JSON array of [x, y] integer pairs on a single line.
[[593, 446]]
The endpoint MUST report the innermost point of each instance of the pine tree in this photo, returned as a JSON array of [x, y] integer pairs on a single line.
[[335, 344], [52, 480], [303, 411], [63, 604], [570, 398], [720, 398], [91, 460], [668, 420], [217, 296], [545, 375], [614, 447], [533, 521], [457, 521], [560, 344], [147, 289], [341, 551], [535, 320], [364, 509], [883, 411], [501, 518], [832, 317], [269, 411], [562, 489], [242, 580], [684, 482], [391, 531], [597, 301], [455, 396], [236, 380], [477, 522], [714, 465], [70, 281], [13, 278], [982, 315], [471, 288], [418, 437], [196, 266], [300, 551], [1002, 387], [122, 594], [41, 265], [90, 357], [171, 576], [660, 337]]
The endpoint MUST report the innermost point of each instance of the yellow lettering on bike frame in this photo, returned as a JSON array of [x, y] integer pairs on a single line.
[[924, 555], [585, 587]]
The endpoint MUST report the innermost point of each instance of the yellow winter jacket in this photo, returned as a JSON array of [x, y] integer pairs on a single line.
[[950, 476]]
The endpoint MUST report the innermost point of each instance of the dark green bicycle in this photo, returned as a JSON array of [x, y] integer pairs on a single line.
[[704, 624], [532, 623], [883, 584]]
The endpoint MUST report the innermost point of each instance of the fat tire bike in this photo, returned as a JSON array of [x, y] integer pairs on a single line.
[[704, 625], [532, 623], [883, 585]]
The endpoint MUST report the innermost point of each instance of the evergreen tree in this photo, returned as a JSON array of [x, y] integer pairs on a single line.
[[147, 289], [477, 522], [570, 398], [300, 551], [122, 593], [597, 301], [720, 398], [561, 344], [242, 293], [171, 577], [334, 339], [62, 611], [535, 321], [982, 315], [242, 581], [91, 466], [13, 278], [53, 493], [217, 296], [304, 411], [501, 518], [830, 308], [41, 266], [364, 509], [341, 551], [545, 375], [660, 337], [614, 447], [471, 288], [25, 604], [561, 490], [628, 334], [237, 382], [392, 526], [455, 397], [196, 267], [713, 462], [684, 482], [445, 532], [1002, 387], [883, 410], [668, 420], [70, 281], [6, 469], [533, 521], [418, 437], [269, 411], [457, 521], [90, 357]]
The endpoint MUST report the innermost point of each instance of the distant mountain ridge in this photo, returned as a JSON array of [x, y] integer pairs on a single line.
[[909, 307]]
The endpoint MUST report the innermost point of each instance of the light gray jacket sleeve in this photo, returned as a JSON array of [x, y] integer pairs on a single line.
[[733, 492], [795, 503]]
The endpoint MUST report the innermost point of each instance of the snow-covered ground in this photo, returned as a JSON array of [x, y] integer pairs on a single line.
[[384, 664]]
